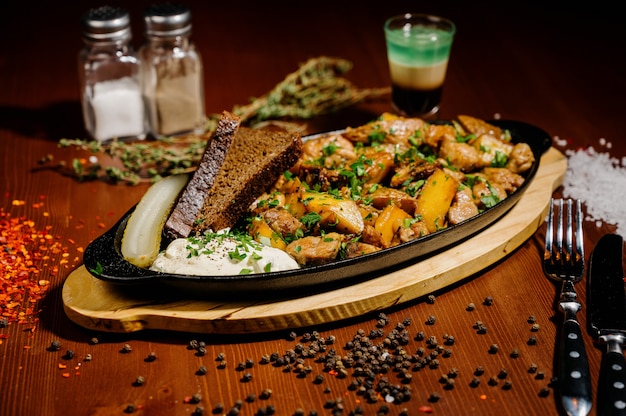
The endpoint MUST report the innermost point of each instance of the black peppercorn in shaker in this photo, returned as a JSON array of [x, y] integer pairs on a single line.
[[172, 71]]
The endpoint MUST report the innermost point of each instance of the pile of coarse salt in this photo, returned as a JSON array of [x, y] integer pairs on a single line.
[[598, 180]]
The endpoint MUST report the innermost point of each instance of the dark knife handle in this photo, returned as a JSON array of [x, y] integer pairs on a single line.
[[574, 379], [612, 387]]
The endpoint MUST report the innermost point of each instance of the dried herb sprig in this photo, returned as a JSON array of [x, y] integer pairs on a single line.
[[315, 89]]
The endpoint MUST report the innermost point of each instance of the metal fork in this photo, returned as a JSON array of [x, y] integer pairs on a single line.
[[565, 262]]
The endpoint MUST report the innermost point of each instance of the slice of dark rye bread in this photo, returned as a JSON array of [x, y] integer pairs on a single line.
[[218, 194]]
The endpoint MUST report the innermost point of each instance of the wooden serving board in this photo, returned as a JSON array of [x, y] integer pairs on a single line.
[[102, 306]]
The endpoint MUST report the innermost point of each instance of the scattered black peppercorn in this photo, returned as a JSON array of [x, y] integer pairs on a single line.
[[266, 394], [532, 340], [198, 411], [55, 345], [69, 354], [544, 392], [246, 377], [540, 375], [95, 340], [431, 299], [470, 307], [514, 353], [535, 327], [493, 348], [126, 349], [151, 356], [220, 357], [479, 371], [532, 368], [202, 370], [474, 382], [431, 320], [488, 301], [201, 351], [507, 385], [130, 408], [139, 381], [432, 341], [503, 373], [434, 397], [493, 381], [87, 357], [193, 344], [219, 408], [449, 384]]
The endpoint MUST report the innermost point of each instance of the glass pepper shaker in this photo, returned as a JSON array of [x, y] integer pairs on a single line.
[[172, 72], [110, 77]]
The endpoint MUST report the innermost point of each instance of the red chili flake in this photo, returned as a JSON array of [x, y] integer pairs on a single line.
[[65, 375], [425, 409], [27, 257]]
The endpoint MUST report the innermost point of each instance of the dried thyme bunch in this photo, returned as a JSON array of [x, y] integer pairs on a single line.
[[316, 88]]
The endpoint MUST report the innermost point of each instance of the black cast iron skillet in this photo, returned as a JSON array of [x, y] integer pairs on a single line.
[[104, 260]]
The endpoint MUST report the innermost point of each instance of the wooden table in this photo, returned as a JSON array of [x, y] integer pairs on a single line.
[[558, 68]]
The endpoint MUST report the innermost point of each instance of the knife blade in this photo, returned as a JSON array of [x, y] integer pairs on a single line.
[[607, 317]]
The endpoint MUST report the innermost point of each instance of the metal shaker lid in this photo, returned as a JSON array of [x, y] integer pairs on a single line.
[[167, 20], [106, 23]]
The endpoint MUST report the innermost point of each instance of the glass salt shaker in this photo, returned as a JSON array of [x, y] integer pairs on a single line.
[[110, 77], [172, 72]]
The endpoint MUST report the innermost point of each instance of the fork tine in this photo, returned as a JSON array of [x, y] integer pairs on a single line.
[[547, 254], [559, 231], [569, 248], [580, 247]]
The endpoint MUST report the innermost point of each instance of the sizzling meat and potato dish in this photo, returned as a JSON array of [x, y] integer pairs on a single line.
[[385, 183]]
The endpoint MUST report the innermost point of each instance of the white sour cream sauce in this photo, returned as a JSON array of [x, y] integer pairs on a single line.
[[213, 259]]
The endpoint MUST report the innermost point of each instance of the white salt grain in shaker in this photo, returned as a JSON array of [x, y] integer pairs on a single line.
[[110, 77], [172, 72]]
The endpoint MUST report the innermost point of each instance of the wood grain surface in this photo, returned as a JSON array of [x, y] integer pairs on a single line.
[[556, 65]]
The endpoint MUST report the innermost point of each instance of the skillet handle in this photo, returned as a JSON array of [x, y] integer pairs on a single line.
[[612, 385]]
